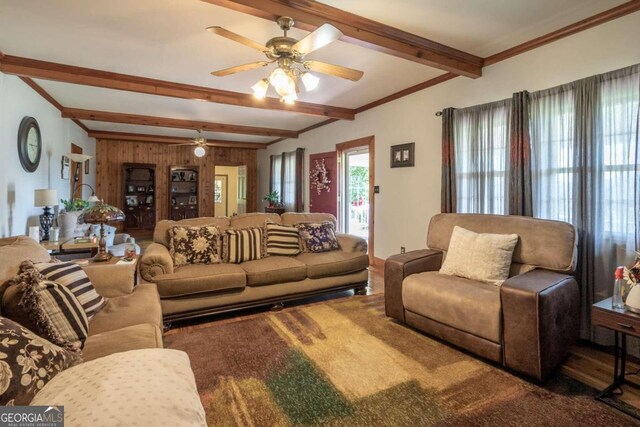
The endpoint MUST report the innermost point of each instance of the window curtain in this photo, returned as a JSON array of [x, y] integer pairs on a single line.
[[275, 177], [520, 200], [448, 192], [286, 178], [584, 139], [481, 140]]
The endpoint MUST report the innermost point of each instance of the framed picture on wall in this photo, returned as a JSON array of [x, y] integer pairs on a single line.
[[403, 155], [86, 166]]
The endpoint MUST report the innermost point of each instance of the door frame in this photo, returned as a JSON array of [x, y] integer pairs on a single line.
[[368, 142]]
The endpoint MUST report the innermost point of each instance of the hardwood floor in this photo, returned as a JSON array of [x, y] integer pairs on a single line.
[[587, 363]]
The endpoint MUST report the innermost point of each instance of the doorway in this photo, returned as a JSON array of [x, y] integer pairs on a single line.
[[356, 196], [230, 190]]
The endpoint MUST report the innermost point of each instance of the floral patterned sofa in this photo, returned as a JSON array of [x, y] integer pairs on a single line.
[[201, 289]]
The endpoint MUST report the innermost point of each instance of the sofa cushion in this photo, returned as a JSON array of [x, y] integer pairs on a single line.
[[543, 243], [161, 232], [255, 219], [282, 239], [244, 245], [14, 250], [149, 387], [194, 245], [318, 237], [142, 306], [479, 256], [22, 377], [197, 279], [334, 263], [274, 269], [467, 305], [136, 337], [72, 276], [293, 218]]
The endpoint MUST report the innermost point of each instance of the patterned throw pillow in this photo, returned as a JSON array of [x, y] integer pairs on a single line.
[[194, 245], [318, 237], [244, 245], [76, 280], [282, 240], [27, 363], [52, 308]]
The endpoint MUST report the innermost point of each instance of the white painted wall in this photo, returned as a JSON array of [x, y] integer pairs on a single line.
[[410, 196], [16, 185]]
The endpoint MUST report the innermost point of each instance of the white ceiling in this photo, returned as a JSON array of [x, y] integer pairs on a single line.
[[165, 39]]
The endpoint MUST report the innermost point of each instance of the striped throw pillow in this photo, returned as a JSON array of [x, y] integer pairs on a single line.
[[52, 307], [73, 277], [244, 245], [282, 240]]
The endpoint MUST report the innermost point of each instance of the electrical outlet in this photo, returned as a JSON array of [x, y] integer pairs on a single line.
[[402, 249]]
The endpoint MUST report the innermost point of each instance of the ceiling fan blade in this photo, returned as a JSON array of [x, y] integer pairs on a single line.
[[184, 143], [321, 37], [334, 70], [238, 38], [238, 68]]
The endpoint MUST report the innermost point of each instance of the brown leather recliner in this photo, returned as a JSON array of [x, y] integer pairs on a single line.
[[527, 324]]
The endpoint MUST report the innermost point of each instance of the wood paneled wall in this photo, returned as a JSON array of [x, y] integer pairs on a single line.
[[110, 155]]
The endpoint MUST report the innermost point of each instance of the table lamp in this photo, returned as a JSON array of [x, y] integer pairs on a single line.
[[44, 198], [101, 213]]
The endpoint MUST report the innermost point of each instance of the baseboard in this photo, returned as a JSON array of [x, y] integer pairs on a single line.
[[378, 263]]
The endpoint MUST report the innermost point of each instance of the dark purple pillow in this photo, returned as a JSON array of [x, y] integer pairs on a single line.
[[318, 237]]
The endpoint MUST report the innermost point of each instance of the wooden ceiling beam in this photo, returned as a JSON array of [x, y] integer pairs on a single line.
[[161, 139], [137, 119], [309, 15], [33, 68]]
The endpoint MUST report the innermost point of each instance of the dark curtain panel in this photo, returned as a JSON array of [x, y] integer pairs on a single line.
[[520, 202], [448, 192], [272, 159], [299, 203]]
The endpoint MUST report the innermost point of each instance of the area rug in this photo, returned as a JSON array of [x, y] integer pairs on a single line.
[[344, 363]]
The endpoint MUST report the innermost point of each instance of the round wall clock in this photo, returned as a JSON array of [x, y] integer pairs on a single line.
[[29, 144]]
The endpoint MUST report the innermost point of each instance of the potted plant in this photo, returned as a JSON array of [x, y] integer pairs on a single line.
[[68, 218], [273, 198]]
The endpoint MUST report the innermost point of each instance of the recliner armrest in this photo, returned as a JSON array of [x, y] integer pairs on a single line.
[[155, 260], [351, 243], [540, 311], [397, 267]]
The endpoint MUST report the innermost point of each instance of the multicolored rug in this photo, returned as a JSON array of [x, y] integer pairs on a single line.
[[344, 363]]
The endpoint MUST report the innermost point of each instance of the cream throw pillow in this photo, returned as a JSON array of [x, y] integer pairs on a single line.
[[479, 256]]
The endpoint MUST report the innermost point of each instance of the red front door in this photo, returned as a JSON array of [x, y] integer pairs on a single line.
[[325, 198]]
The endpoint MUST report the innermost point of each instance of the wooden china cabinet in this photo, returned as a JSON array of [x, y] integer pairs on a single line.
[[183, 192], [139, 199]]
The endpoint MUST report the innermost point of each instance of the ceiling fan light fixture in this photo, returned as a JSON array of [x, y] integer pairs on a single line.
[[290, 99], [310, 81], [282, 82], [199, 151], [260, 88]]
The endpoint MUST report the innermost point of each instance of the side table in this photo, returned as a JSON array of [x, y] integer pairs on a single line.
[[116, 260], [622, 323]]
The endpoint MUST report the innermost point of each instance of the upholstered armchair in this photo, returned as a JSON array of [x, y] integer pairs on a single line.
[[527, 324]]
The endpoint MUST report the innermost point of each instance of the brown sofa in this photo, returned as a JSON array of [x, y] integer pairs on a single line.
[[527, 324], [131, 319], [199, 290]]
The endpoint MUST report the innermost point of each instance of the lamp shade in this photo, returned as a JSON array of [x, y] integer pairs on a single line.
[[45, 197], [101, 213], [78, 158]]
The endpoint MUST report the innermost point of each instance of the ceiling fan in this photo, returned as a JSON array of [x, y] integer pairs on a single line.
[[200, 143], [289, 54]]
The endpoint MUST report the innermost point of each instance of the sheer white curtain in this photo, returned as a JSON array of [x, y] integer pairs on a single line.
[[584, 142], [481, 136], [289, 182], [551, 123], [276, 174]]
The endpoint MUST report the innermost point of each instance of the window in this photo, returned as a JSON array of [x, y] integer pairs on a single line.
[[286, 178], [481, 136]]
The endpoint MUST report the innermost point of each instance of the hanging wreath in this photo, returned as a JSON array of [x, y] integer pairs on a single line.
[[319, 178]]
